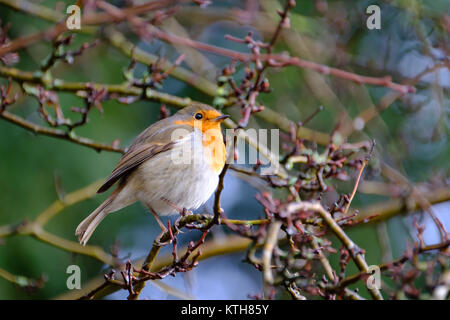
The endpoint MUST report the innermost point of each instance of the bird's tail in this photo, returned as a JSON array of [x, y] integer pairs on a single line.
[[87, 226]]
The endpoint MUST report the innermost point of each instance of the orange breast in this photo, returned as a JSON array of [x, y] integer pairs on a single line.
[[212, 141], [214, 149]]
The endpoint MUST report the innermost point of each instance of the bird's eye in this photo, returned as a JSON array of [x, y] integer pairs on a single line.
[[198, 116]]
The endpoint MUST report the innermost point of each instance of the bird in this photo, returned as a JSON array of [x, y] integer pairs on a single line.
[[172, 165]]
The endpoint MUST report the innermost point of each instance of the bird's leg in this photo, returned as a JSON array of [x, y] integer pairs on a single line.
[[162, 226], [183, 212], [164, 230]]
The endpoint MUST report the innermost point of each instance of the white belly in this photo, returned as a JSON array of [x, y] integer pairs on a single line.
[[186, 183]]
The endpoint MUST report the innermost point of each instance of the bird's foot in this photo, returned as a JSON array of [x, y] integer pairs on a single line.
[[182, 211], [186, 212], [163, 235]]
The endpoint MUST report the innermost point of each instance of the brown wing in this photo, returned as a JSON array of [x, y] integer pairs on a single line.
[[133, 158]]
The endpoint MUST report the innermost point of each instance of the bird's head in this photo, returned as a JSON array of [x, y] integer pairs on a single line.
[[203, 118]]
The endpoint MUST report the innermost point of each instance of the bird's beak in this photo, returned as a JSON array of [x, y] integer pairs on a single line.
[[221, 118]]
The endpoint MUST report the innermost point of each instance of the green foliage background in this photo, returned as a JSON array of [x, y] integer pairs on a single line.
[[410, 133]]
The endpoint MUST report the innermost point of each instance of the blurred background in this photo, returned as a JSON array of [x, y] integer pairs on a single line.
[[411, 131]]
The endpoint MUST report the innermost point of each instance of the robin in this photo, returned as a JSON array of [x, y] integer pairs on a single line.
[[175, 163]]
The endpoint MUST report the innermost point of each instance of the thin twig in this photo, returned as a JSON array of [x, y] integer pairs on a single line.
[[56, 133], [363, 165], [355, 251]]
